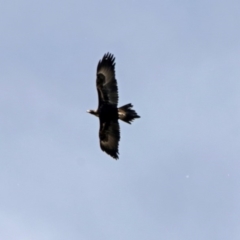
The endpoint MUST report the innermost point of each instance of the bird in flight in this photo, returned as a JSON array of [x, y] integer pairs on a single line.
[[108, 112]]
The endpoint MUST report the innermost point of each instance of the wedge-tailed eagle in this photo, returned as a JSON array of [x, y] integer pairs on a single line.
[[108, 112]]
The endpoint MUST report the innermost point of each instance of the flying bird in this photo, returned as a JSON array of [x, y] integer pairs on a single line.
[[108, 112]]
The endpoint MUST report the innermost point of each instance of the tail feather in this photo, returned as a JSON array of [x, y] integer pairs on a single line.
[[126, 114]]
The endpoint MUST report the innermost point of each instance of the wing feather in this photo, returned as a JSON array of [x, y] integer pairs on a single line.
[[109, 135], [106, 83]]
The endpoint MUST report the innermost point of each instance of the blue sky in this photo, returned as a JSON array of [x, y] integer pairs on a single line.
[[178, 173]]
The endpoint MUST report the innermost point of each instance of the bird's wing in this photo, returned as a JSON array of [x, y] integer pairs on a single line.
[[106, 82], [109, 136]]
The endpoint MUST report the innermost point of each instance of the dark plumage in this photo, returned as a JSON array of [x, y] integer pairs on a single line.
[[108, 112]]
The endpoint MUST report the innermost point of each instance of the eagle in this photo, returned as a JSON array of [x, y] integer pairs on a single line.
[[108, 111]]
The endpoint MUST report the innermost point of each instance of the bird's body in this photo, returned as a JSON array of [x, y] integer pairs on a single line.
[[108, 112]]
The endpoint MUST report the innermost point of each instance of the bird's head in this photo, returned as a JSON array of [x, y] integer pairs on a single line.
[[95, 113]]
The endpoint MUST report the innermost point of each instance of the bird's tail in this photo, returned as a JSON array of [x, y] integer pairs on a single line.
[[126, 114]]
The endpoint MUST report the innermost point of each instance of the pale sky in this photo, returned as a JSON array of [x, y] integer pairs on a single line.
[[178, 63]]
